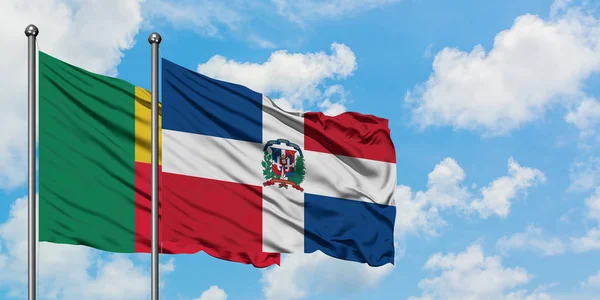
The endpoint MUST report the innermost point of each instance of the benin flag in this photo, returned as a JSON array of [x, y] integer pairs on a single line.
[[94, 165]]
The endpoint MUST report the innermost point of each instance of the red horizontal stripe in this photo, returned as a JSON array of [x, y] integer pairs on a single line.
[[195, 214], [349, 134]]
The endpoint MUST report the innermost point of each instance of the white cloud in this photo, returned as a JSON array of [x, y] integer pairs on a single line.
[[428, 51], [585, 175], [532, 65], [302, 11], [589, 242], [586, 116], [117, 278], [201, 16], [415, 214], [331, 109], [167, 267], [304, 274], [296, 77], [209, 17], [593, 282], [535, 295], [262, 43], [335, 97], [68, 271], [498, 195], [559, 6], [420, 211], [593, 205], [472, 275], [213, 293], [532, 239], [214, 18], [286, 105], [70, 31]]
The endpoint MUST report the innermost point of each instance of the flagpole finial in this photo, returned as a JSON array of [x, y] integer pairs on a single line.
[[154, 38], [32, 30]]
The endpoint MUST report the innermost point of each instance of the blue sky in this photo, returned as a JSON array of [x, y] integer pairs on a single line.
[[493, 109]]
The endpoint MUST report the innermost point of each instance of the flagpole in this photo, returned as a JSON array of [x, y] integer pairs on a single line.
[[31, 32], [154, 39]]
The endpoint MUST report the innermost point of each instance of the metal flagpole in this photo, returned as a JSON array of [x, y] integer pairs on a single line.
[[31, 32], [154, 39]]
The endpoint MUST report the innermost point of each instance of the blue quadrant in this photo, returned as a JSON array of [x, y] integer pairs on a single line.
[[195, 103], [349, 230]]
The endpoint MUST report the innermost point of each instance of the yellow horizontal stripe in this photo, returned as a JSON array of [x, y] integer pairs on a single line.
[[143, 127]]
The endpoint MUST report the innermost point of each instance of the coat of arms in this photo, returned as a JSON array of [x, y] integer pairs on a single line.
[[283, 164]]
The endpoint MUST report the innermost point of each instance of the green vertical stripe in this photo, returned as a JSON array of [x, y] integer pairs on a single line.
[[86, 157]]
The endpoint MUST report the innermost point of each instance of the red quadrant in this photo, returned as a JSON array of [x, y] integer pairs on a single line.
[[220, 218], [349, 134]]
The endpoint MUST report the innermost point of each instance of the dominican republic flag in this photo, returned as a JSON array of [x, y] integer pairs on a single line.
[[244, 180]]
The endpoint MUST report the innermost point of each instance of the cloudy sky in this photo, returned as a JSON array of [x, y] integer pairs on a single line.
[[494, 111]]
